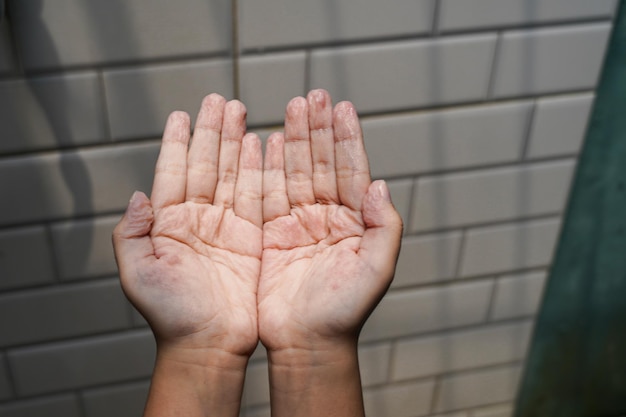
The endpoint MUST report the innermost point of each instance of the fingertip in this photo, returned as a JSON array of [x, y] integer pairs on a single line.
[[213, 99]]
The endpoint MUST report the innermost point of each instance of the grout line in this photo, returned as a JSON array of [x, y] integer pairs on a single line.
[[235, 47], [436, 18], [105, 109], [412, 202], [494, 67], [10, 375], [54, 262], [307, 72], [80, 400], [436, 393], [460, 257], [492, 299], [528, 132]]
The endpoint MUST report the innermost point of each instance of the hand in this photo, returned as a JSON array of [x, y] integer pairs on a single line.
[[330, 236], [190, 257]]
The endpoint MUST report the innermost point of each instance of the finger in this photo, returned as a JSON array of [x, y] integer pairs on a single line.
[[233, 129], [131, 236], [298, 168], [275, 200], [170, 176], [202, 159], [249, 188], [381, 241], [322, 147], [351, 166]]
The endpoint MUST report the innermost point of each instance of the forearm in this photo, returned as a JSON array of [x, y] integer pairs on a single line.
[[314, 383], [194, 383]]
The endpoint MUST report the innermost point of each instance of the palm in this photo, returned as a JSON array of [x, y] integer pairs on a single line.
[[311, 273], [204, 280]]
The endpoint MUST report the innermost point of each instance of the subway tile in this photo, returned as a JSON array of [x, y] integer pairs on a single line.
[[7, 57], [64, 311], [140, 99], [6, 390], [298, 22], [18, 248], [411, 312], [400, 191], [406, 400], [495, 249], [51, 112], [80, 32], [455, 351], [427, 259], [491, 195], [518, 295], [407, 74], [57, 406], [463, 15], [126, 400], [256, 389], [433, 141], [268, 82], [374, 364], [83, 247], [501, 410], [559, 126], [550, 60], [83, 363], [478, 388], [54, 186]]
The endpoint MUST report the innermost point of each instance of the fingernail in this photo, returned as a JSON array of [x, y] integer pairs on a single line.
[[383, 190]]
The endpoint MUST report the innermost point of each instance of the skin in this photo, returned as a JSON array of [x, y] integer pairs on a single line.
[[227, 251]]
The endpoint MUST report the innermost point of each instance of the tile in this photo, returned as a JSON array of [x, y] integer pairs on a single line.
[[407, 74], [62, 111], [83, 247], [57, 406], [461, 14], [268, 82], [256, 390], [401, 191], [151, 93], [6, 388], [559, 126], [410, 312], [406, 400], [427, 259], [505, 410], [297, 22], [550, 60], [7, 57], [18, 247], [433, 141], [374, 364], [518, 295], [75, 183], [126, 400], [80, 32], [495, 249], [491, 195], [478, 388], [83, 363], [63, 311], [455, 351]]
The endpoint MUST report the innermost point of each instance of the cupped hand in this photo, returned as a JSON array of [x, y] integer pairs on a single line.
[[330, 236], [190, 256]]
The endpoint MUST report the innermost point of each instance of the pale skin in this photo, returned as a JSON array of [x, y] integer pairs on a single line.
[[295, 250]]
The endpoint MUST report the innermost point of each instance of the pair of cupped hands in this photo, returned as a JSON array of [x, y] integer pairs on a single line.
[[294, 248]]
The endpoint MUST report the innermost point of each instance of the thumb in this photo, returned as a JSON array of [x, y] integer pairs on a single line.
[[131, 236], [381, 241]]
